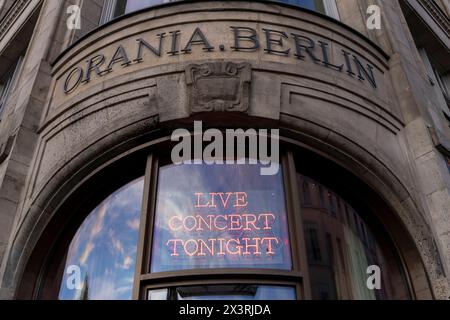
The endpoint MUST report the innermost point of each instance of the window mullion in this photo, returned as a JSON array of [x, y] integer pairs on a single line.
[[146, 224], [108, 11], [296, 230], [331, 8]]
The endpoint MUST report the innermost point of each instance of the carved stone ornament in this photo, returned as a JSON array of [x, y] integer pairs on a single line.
[[218, 86]]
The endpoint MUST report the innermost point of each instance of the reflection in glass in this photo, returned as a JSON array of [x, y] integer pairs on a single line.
[[127, 6], [219, 216], [315, 5], [340, 246], [104, 248], [224, 292], [134, 5]]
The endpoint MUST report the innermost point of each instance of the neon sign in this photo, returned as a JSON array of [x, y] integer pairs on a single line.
[[222, 229]]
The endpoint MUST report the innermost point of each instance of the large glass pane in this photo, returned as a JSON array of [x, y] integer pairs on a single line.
[[102, 253], [7, 82], [224, 292], [341, 246], [315, 5], [219, 216], [127, 6], [134, 5]]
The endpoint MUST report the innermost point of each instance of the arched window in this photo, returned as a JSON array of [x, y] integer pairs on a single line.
[[215, 231], [339, 255], [327, 7], [115, 8], [101, 259], [341, 247]]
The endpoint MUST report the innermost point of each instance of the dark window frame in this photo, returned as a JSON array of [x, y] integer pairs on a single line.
[[117, 8], [298, 276], [8, 82], [145, 279]]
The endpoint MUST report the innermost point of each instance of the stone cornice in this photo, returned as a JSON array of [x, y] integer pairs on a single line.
[[437, 14], [11, 16]]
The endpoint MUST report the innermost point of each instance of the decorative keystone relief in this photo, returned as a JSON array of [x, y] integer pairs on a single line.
[[218, 86]]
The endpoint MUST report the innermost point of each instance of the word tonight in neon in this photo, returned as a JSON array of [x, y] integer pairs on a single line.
[[223, 246], [207, 233]]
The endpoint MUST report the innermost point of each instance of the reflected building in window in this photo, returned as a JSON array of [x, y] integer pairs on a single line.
[[340, 251]]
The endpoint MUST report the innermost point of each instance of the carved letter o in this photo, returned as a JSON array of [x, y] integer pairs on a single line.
[[71, 74]]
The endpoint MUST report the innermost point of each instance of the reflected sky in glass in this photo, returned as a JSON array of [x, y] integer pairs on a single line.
[[201, 247], [134, 5], [104, 247], [315, 5]]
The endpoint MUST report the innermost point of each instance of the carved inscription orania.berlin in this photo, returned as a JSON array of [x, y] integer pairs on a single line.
[[245, 39]]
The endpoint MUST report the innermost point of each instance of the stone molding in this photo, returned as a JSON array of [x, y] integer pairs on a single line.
[[11, 16], [437, 14]]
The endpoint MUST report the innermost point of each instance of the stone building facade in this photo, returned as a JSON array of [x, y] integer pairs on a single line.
[[363, 113]]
